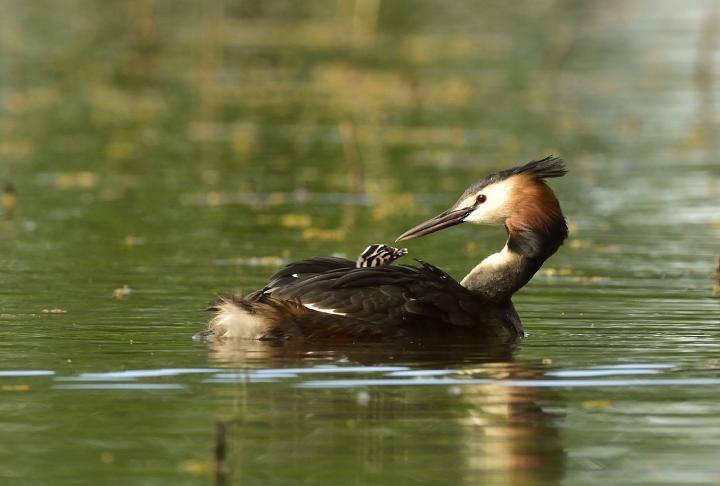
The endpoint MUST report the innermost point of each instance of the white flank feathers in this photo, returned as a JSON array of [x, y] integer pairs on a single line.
[[235, 322]]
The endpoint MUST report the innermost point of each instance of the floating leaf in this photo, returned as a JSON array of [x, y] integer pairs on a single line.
[[118, 150], [122, 292], [596, 404], [131, 240], [15, 147], [213, 199], [580, 244], [107, 457], [81, 179], [196, 468], [296, 220], [323, 234], [9, 201]]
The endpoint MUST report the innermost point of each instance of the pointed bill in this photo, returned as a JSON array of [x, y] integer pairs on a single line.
[[441, 221]]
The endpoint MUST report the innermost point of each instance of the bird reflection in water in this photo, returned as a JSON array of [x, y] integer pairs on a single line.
[[450, 415]]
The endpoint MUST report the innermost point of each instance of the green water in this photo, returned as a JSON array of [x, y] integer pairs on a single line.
[[185, 149]]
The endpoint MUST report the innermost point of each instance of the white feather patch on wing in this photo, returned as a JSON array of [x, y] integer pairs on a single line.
[[314, 307]]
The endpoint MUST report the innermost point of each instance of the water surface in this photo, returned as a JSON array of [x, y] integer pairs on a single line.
[[166, 152]]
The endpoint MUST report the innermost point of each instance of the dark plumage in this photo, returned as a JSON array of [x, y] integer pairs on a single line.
[[378, 303], [329, 298]]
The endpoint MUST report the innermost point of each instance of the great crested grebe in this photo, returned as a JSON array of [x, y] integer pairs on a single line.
[[330, 298]]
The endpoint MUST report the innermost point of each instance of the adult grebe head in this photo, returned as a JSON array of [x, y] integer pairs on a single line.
[[517, 198]]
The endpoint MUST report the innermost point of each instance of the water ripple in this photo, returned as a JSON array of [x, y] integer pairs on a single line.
[[510, 383], [120, 386], [388, 376], [7, 373], [134, 374]]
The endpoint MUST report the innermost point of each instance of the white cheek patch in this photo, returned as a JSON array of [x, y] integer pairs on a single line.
[[496, 208], [467, 202]]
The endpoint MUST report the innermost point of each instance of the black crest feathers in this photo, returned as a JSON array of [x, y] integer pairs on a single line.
[[550, 166]]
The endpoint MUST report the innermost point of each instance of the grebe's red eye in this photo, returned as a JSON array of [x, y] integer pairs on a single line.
[[481, 199]]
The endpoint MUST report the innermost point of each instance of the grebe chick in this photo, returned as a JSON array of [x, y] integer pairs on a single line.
[[379, 254], [330, 298]]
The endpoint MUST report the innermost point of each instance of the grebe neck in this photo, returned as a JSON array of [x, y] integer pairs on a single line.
[[502, 274]]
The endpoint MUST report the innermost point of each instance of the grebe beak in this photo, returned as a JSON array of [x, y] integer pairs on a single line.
[[448, 218]]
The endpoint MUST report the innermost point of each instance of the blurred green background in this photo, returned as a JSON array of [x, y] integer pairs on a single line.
[[155, 153]]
